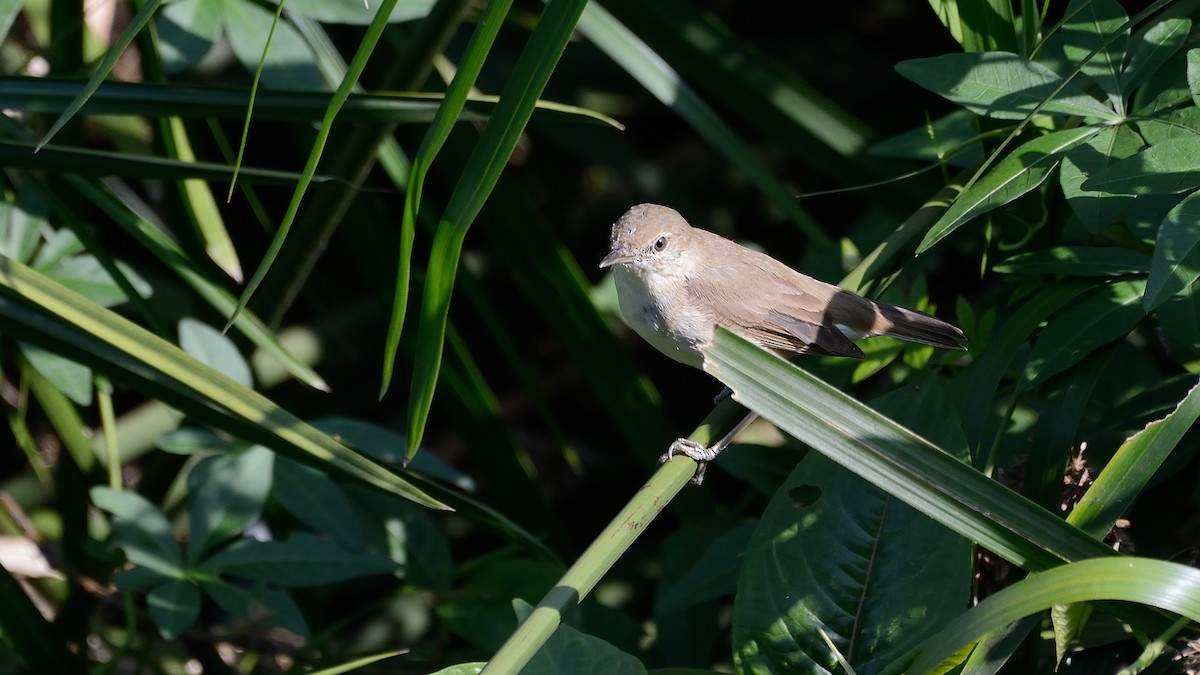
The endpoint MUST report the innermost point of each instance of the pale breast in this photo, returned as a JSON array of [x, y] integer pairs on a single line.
[[662, 317]]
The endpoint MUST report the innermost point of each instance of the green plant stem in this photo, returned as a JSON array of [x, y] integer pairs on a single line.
[[609, 546]]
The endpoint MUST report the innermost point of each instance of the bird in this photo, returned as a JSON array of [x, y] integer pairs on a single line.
[[676, 283]]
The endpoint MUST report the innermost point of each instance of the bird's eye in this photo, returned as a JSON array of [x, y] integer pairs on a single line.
[[660, 243]]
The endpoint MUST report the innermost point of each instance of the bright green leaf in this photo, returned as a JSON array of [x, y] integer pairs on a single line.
[[1166, 168], [1096, 210], [1153, 48], [1002, 85], [71, 378], [212, 348], [1020, 171], [1092, 25]]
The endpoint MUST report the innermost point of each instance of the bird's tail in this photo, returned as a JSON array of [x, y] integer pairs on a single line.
[[909, 324]]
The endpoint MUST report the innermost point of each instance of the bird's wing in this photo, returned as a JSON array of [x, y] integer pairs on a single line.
[[760, 302]]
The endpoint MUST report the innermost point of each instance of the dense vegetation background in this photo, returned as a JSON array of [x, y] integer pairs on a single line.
[[243, 501]]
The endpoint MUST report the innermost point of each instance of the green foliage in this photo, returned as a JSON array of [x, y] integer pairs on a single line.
[[922, 510]]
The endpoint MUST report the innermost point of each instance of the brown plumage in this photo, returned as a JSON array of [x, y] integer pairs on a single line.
[[675, 283]]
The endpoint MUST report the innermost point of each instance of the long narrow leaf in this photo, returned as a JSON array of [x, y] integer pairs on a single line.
[[314, 157], [524, 87], [895, 459], [1132, 467], [448, 113], [1166, 585], [106, 65], [33, 306]]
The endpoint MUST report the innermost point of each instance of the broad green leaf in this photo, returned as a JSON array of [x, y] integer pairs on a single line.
[[1131, 468], [22, 217], [1096, 210], [1153, 48], [86, 276], [174, 606], [1002, 85], [1102, 25], [1168, 167], [226, 494], [1175, 264], [210, 347], [414, 541], [288, 63], [301, 560], [1193, 74], [1077, 261], [356, 12], [1105, 315], [833, 553], [259, 604], [1156, 583], [71, 378], [1020, 171], [895, 459], [186, 32], [314, 499], [572, 651], [525, 85], [147, 522], [34, 309], [712, 574], [1183, 123]]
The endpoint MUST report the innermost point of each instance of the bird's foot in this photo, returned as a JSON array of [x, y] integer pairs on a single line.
[[698, 452]]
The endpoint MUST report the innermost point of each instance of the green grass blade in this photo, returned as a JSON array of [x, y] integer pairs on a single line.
[[447, 115], [905, 465], [524, 87], [36, 309], [1157, 583], [136, 24], [365, 48], [1131, 468]]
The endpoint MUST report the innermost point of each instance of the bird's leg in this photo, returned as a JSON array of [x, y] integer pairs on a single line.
[[704, 455]]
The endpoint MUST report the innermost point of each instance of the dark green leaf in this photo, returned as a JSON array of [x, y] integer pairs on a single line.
[[481, 611], [833, 553], [572, 651], [1168, 167], [953, 139], [1017, 173], [1107, 314], [300, 560], [1180, 321], [1193, 74], [174, 606], [258, 604], [356, 12], [315, 500], [1002, 85], [1077, 261], [712, 574], [147, 525], [226, 494], [67, 376], [1175, 264], [1098, 25], [411, 538], [1152, 49], [1096, 209], [210, 347]]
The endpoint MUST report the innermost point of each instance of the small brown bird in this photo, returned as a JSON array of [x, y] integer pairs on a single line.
[[676, 283]]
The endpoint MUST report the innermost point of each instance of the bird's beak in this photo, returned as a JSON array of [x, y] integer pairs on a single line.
[[616, 257]]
